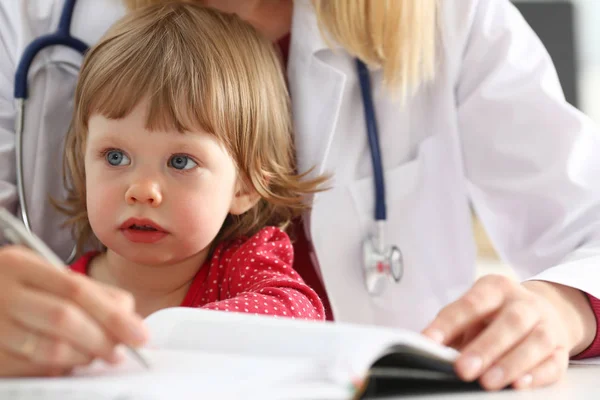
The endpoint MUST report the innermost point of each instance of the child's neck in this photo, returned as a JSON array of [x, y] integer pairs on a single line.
[[154, 287]]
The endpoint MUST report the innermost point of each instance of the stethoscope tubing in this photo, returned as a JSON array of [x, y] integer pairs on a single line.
[[62, 37], [373, 137]]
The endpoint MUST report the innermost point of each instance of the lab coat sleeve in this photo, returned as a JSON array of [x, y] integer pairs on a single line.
[[531, 160], [8, 191]]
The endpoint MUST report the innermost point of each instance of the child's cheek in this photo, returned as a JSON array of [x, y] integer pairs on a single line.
[[200, 217], [103, 198]]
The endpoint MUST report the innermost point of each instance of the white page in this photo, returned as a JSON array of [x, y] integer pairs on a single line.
[[173, 375], [347, 350], [587, 361]]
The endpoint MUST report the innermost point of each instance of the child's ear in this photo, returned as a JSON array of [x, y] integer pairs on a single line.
[[245, 198]]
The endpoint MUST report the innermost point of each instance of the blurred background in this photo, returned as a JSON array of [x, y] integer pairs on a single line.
[[570, 30]]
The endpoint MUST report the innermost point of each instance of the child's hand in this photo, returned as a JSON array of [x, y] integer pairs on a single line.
[[509, 333], [52, 321]]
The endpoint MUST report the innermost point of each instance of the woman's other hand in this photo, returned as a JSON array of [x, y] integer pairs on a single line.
[[515, 334]]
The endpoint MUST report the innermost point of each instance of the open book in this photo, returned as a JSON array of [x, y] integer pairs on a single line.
[[224, 355]]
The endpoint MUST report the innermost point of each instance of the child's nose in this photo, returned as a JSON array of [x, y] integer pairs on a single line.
[[144, 192]]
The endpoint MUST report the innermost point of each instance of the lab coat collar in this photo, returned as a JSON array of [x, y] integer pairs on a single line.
[[316, 87], [306, 28], [317, 82]]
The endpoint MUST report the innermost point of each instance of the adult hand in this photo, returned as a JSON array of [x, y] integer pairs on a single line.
[[52, 321], [514, 334]]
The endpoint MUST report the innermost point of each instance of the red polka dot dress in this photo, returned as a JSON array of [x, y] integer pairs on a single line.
[[252, 276]]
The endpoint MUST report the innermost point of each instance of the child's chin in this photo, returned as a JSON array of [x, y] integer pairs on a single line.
[[148, 256]]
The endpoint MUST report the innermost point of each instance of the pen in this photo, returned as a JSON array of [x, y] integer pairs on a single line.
[[15, 232]]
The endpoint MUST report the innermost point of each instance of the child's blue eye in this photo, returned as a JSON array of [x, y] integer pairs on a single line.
[[179, 161], [117, 158]]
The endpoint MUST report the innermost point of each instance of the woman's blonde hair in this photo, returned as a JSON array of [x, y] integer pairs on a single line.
[[197, 68], [398, 35]]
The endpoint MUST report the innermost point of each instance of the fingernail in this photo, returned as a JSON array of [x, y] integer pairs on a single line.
[[470, 366], [494, 377], [524, 382], [436, 335]]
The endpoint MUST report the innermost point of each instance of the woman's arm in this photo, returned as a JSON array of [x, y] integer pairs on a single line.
[[533, 167], [531, 159]]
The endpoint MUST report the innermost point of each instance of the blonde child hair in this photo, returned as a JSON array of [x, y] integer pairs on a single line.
[[197, 68], [398, 35]]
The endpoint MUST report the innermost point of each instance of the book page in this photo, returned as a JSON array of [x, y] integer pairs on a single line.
[[345, 350], [173, 375], [586, 361]]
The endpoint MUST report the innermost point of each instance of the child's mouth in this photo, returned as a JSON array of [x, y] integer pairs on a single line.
[[143, 228]]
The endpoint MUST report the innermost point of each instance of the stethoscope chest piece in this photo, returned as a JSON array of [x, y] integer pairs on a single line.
[[381, 265]]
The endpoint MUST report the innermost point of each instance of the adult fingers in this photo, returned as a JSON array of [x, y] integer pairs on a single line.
[[15, 366], [536, 347], [545, 373], [64, 320], [483, 299], [41, 349], [512, 324], [111, 308]]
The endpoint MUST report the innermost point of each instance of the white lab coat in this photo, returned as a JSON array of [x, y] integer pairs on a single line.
[[52, 80], [492, 130]]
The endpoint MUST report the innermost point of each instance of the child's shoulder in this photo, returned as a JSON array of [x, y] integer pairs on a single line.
[[270, 240], [81, 265], [268, 234]]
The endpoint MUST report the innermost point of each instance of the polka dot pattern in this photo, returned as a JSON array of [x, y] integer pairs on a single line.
[[255, 276], [249, 276]]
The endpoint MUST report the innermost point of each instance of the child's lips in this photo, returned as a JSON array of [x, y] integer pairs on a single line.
[[142, 224], [142, 230], [143, 236]]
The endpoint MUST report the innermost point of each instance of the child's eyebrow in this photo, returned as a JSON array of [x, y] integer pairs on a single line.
[[109, 138], [194, 140], [187, 147]]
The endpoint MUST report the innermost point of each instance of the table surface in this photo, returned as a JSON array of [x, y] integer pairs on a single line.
[[581, 382]]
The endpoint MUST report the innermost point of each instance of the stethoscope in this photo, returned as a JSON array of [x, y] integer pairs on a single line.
[[62, 37], [381, 262]]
